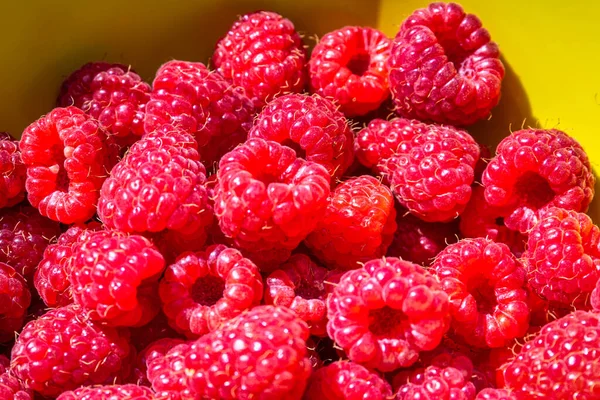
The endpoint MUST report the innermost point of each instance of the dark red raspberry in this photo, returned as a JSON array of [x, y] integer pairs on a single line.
[[67, 160], [301, 285], [10, 387], [563, 257], [63, 350], [495, 394], [168, 376], [51, 277], [560, 362], [267, 199], [158, 185], [312, 353], [349, 65], [24, 235], [386, 312], [114, 278], [259, 354], [12, 172], [536, 169], [486, 286], [202, 290], [595, 297], [155, 349], [357, 226], [190, 97], [444, 68], [157, 329], [345, 380], [263, 54], [15, 297], [115, 96], [109, 392], [418, 241], [430, 168], [312, 126], [436, 383]]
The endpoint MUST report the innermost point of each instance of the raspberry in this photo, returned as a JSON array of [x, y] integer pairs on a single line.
[[51, 277], [560, 362], [202, 290], [386, 312], [495, 394], [12, 172], [66, 156], [345, 380], [563, 257], [190, 97], [444, 68], [10, 387], [158, 185], [595, 298], [437, 383], [267, 199], [114, 278], [312, 126], [486, 286], [418, 241], [63, 350], [349, 65], [109, 392], [110, 93], [167, 375], [357, 226], [155, 349], [536, 169], [259, 354], [14, 300], [24, 235], [430, 168], [263, 54], [301, 285]]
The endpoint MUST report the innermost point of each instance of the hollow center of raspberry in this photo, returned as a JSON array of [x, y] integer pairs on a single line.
[[359, 63], [387, 322], [484, 294], [300, 153], [208, 290], [452, 48], [533, 191], [62, 179]]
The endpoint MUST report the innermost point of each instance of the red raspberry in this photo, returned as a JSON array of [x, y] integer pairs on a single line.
[[437, 383], [444, 68], [301, 285], [109, 392], [67, 160], [203, 290], [268, 199], [345, 380], [158, 328], [563, 257], [418, 241], [429, 167], [190, 97], [12, 172], [263, 54], [560, 362], [595, 298], [10, 387], [259, 354], [386, 312], [111, 93], [536, 169], [114, 278], [24, 235], [158, 185], [168, 376], [15, 297], [486, 286], [63, 350], [495, 394], [357, 226], [51, 277], [154, 350], [349, 65], [312, 126]]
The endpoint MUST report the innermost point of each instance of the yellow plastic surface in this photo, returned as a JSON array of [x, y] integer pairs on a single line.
[[550, 49]]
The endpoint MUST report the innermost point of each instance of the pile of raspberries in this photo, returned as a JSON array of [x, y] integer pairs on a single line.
[[285, 226]]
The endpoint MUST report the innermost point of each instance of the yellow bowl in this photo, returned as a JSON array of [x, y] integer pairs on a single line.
[[549, 47]]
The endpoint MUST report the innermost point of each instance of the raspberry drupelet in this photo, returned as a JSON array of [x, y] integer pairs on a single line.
[[154, 350], [202, 290], [263, 54], [357, 226], [350, 66], [267, 199], [486, 286], [109, 392], [10, 387], [444, 67], [167, 375], [312, 126], [437, 383], [67, 160], [383, 314], [12, 172], [15, 298], [535, 169]]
